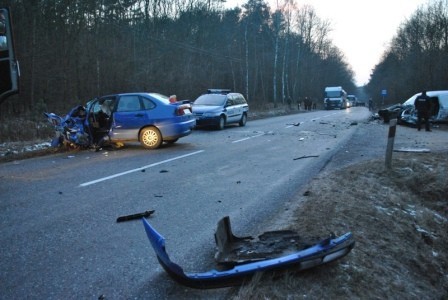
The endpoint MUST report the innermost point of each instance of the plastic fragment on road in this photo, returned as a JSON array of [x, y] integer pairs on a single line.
[[135, 216]]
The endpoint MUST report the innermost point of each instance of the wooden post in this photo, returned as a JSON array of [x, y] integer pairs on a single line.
[[390, 142]]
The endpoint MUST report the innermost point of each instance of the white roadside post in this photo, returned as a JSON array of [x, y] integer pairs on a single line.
[[390, 142]]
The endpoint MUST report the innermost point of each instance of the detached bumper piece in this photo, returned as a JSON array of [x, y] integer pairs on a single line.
[[245, 256]]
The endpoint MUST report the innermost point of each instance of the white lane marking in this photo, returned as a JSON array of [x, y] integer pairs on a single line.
[[247, 138], [138, 169]]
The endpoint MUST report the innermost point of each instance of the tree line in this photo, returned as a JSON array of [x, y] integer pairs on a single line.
[[417, 58], [71, 51]]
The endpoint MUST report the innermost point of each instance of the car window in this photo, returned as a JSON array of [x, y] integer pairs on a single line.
[[230, 102], [211, 99], [129, 103], [95, 106], [107, 105], [443, 99], [148, 104], [241, 99]]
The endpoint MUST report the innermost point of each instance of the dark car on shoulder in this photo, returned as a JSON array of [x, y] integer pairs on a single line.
[[219, 107]]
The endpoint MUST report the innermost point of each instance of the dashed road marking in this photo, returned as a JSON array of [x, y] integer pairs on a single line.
[[138, 169]]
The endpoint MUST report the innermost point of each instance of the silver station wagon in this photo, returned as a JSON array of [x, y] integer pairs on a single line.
[[219, 108]]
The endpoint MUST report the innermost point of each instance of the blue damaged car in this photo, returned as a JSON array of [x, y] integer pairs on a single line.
[[149, 118]]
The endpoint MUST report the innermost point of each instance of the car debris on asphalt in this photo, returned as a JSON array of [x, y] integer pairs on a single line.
[[135, 216], [240, 258]]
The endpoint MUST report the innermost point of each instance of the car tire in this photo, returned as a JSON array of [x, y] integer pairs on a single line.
[[243, 120], [150, 137], [221, 123]]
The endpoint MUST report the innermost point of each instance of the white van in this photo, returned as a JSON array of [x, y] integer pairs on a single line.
[[352, 99], [439, 107]]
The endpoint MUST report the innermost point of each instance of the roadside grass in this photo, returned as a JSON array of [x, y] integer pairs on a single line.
[[20, 129], [399, 218]]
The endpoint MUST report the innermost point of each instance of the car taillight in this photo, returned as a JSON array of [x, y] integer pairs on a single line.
[[183, 109]]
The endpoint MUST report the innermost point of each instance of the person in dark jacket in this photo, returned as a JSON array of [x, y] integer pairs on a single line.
[[423, 107]]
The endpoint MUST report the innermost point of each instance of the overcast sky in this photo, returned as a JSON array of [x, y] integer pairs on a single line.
[[362, 29]]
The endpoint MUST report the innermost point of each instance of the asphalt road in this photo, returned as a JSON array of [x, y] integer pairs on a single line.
[[59, 236]]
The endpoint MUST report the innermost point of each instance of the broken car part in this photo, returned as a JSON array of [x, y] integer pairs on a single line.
[[305, 156], [135, 216], [320, 253]]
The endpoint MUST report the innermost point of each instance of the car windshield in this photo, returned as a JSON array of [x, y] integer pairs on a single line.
[[211, 99], [333, 94]]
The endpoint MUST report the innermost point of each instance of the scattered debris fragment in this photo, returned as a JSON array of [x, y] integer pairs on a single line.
[[233, 250], [305, 156], [325, 251], [295, 124], [135, 216]]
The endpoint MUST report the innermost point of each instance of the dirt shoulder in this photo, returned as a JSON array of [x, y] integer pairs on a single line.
[[398, 216]]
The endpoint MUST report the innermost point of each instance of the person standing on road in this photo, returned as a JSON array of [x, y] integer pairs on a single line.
[[370, 104], [423, 107]]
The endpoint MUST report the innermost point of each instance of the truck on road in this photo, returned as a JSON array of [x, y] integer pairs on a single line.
[[335, 97]]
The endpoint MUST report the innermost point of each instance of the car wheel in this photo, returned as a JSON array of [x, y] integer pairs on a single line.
[[243, 120], [222, 123], [150, 137]]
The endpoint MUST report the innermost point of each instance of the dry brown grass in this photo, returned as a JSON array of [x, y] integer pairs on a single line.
[[399, 218], [25, 129]]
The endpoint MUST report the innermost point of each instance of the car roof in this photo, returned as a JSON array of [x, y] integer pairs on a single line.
[[443, 93], [218, 91]]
